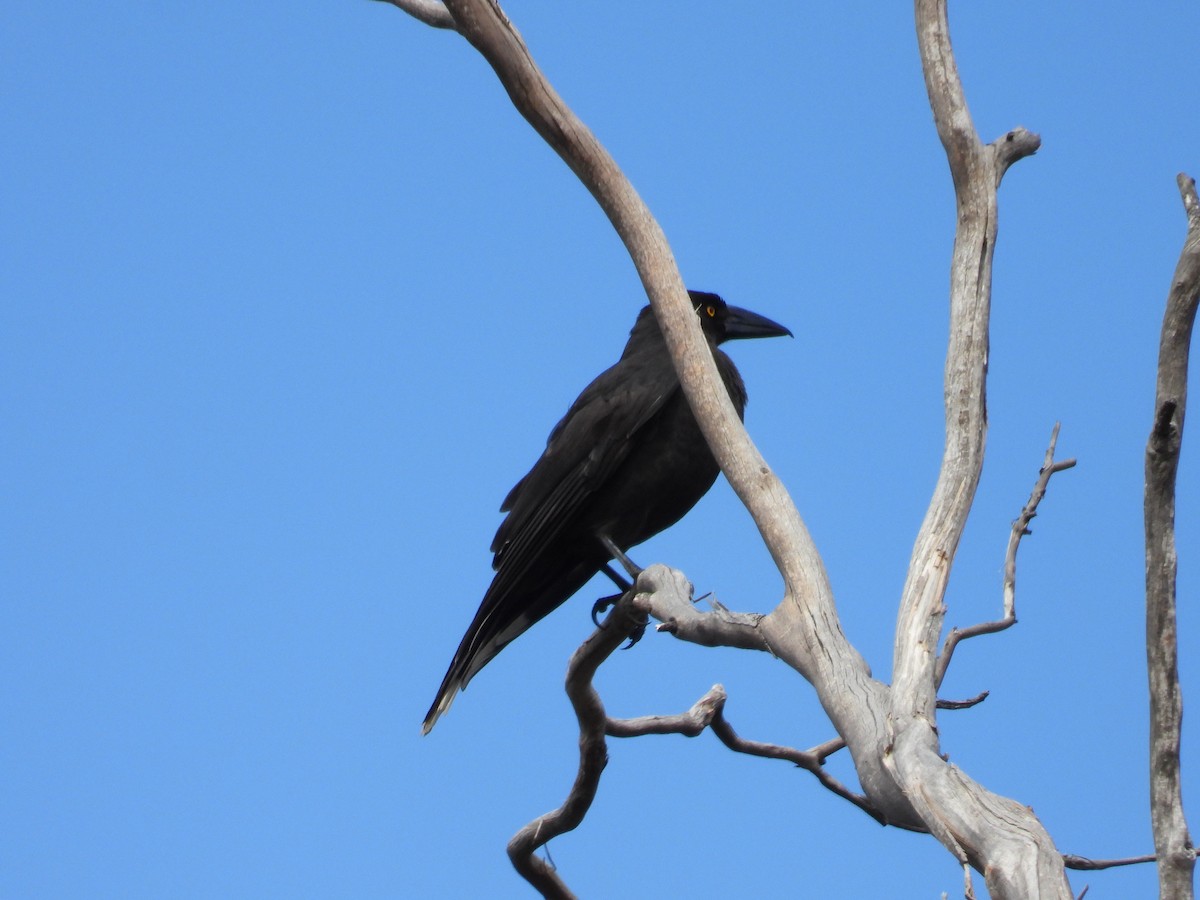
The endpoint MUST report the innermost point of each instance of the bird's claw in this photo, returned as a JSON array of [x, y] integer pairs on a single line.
[[636, 635], [603, 605]]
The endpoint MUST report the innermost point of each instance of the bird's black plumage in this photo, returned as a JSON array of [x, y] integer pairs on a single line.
[[625, 462]]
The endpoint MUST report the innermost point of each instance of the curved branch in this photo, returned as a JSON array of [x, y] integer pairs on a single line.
[[803, 630], [618, 626], [945, 90], [811, 760], [1015, 145], [1176, 856]]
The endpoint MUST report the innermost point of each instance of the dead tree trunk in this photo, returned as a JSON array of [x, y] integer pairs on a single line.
[[1172, 843]]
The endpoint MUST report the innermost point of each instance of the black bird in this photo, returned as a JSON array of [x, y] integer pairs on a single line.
[[625, 462]]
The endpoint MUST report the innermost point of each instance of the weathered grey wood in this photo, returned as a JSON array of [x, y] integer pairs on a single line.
[[1172, 843]]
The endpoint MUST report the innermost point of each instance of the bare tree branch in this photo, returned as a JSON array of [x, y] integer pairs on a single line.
[[812, 760], [976, 170], [1176, 856], [1014, 146], [963, 704], [709, 712], [1020, 528], [1083, 864], [618, 626], [997, 836], [666, 594], [690, 724]]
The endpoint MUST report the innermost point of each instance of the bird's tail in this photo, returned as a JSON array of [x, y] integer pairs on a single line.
[[462, 669], [479, 646], [504, 615], [451, 685]]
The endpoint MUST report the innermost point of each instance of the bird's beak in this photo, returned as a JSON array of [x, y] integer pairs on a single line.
[[741, 323]]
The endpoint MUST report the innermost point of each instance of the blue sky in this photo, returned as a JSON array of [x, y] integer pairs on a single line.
[[292, 296]]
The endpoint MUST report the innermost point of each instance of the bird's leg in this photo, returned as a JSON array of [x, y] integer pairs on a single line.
[[620, 556], [605, 602], [616, 578]]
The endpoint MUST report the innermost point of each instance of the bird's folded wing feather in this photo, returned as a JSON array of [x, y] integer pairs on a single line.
[[590, 442]]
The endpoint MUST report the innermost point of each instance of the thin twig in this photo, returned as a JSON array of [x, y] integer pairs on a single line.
[[1082, 863], [805, 759], [1020, 528]]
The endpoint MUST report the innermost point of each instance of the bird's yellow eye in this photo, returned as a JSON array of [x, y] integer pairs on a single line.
[[711, 310]]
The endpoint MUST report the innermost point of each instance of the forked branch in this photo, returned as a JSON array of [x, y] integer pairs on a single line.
[[709, 712], [977, 170]]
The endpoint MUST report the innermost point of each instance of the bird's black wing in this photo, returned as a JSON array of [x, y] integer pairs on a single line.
[[588, 444], [585, 447]]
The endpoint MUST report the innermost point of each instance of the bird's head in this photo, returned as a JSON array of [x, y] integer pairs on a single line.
[[722, 322]]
